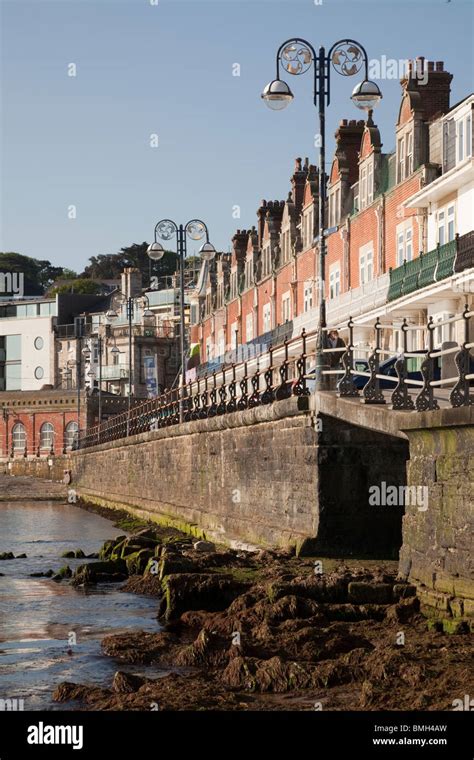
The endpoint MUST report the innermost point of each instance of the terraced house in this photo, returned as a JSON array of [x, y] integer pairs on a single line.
[[400, 240]]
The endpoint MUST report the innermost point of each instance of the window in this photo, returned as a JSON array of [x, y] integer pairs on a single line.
[[233, 285], [334, 207], [308, 228], [285, 246], [460, 139], [308, 295], [249, 272], [71, 436], [366, 184], [267, 317], [355, 189], [266, 262], [409, 156], [363, 191], [370, 183], [468, 130], [285, 308], [10, 363], [39, 343], [19, 437], [464, 138], [46, 436], [334, 281], [446, 224], [401, 159], [249, 327], [366, 263], [39, 373], [404, 243]]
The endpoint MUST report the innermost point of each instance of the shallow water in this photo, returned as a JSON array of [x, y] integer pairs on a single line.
[[37, 615]]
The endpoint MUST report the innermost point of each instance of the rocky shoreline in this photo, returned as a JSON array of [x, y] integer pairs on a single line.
[[268, 630]]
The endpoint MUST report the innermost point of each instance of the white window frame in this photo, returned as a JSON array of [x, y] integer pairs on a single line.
[[307, 295], [266, 258], [366, 263], [363, 187], [409, 154], [370, 182], [401, 159], [334, 280], [286, 307], [404, 242], [267, 317], [446, 221]]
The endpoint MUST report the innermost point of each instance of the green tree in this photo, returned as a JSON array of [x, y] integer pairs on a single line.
[[69, 274], [38, 274], [110, 266], [80, 285]]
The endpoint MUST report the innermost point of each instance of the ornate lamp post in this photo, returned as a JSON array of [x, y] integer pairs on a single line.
[[111, 315], [196, 230], [347, 57]]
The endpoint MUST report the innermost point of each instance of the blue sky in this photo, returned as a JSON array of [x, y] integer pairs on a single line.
[[166, 69]]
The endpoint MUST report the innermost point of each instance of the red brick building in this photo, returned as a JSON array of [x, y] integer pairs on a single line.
[[267, 287]]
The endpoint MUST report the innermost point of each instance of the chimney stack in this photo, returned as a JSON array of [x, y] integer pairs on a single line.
[[432, 83], [131, 282]]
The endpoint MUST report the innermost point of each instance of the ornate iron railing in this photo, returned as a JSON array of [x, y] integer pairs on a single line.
[[283, 372]]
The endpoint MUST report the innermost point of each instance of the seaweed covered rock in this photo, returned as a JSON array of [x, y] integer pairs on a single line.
[[110, 571], [197, 591]]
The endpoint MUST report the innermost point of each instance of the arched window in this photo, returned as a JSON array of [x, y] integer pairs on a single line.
[[46, 436], [19, 437], [70, 435]]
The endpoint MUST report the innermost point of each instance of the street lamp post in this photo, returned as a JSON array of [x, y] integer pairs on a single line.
[[111, 315], [196, 230], [347, 57], [87, 354]]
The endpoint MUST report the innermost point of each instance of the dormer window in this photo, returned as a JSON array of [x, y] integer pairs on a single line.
[[249, 278], [285, 246], [308, 220], [366, 183], [266, 259], [220, 295], [404, 156], [463, 138], [233, 285], [334, 206]]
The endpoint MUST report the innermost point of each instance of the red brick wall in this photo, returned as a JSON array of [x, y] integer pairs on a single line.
[[334, 253], [232, 316], [305, 270], [33, 422], [283, 281], [264, 297], [247, 308], [395, 214], [363, 230]]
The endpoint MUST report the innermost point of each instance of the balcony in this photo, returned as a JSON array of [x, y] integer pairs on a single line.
[[166, 330], [115, 372], [436, 265]]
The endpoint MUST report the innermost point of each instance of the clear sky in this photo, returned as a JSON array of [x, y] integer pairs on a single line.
[[167, 69]]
